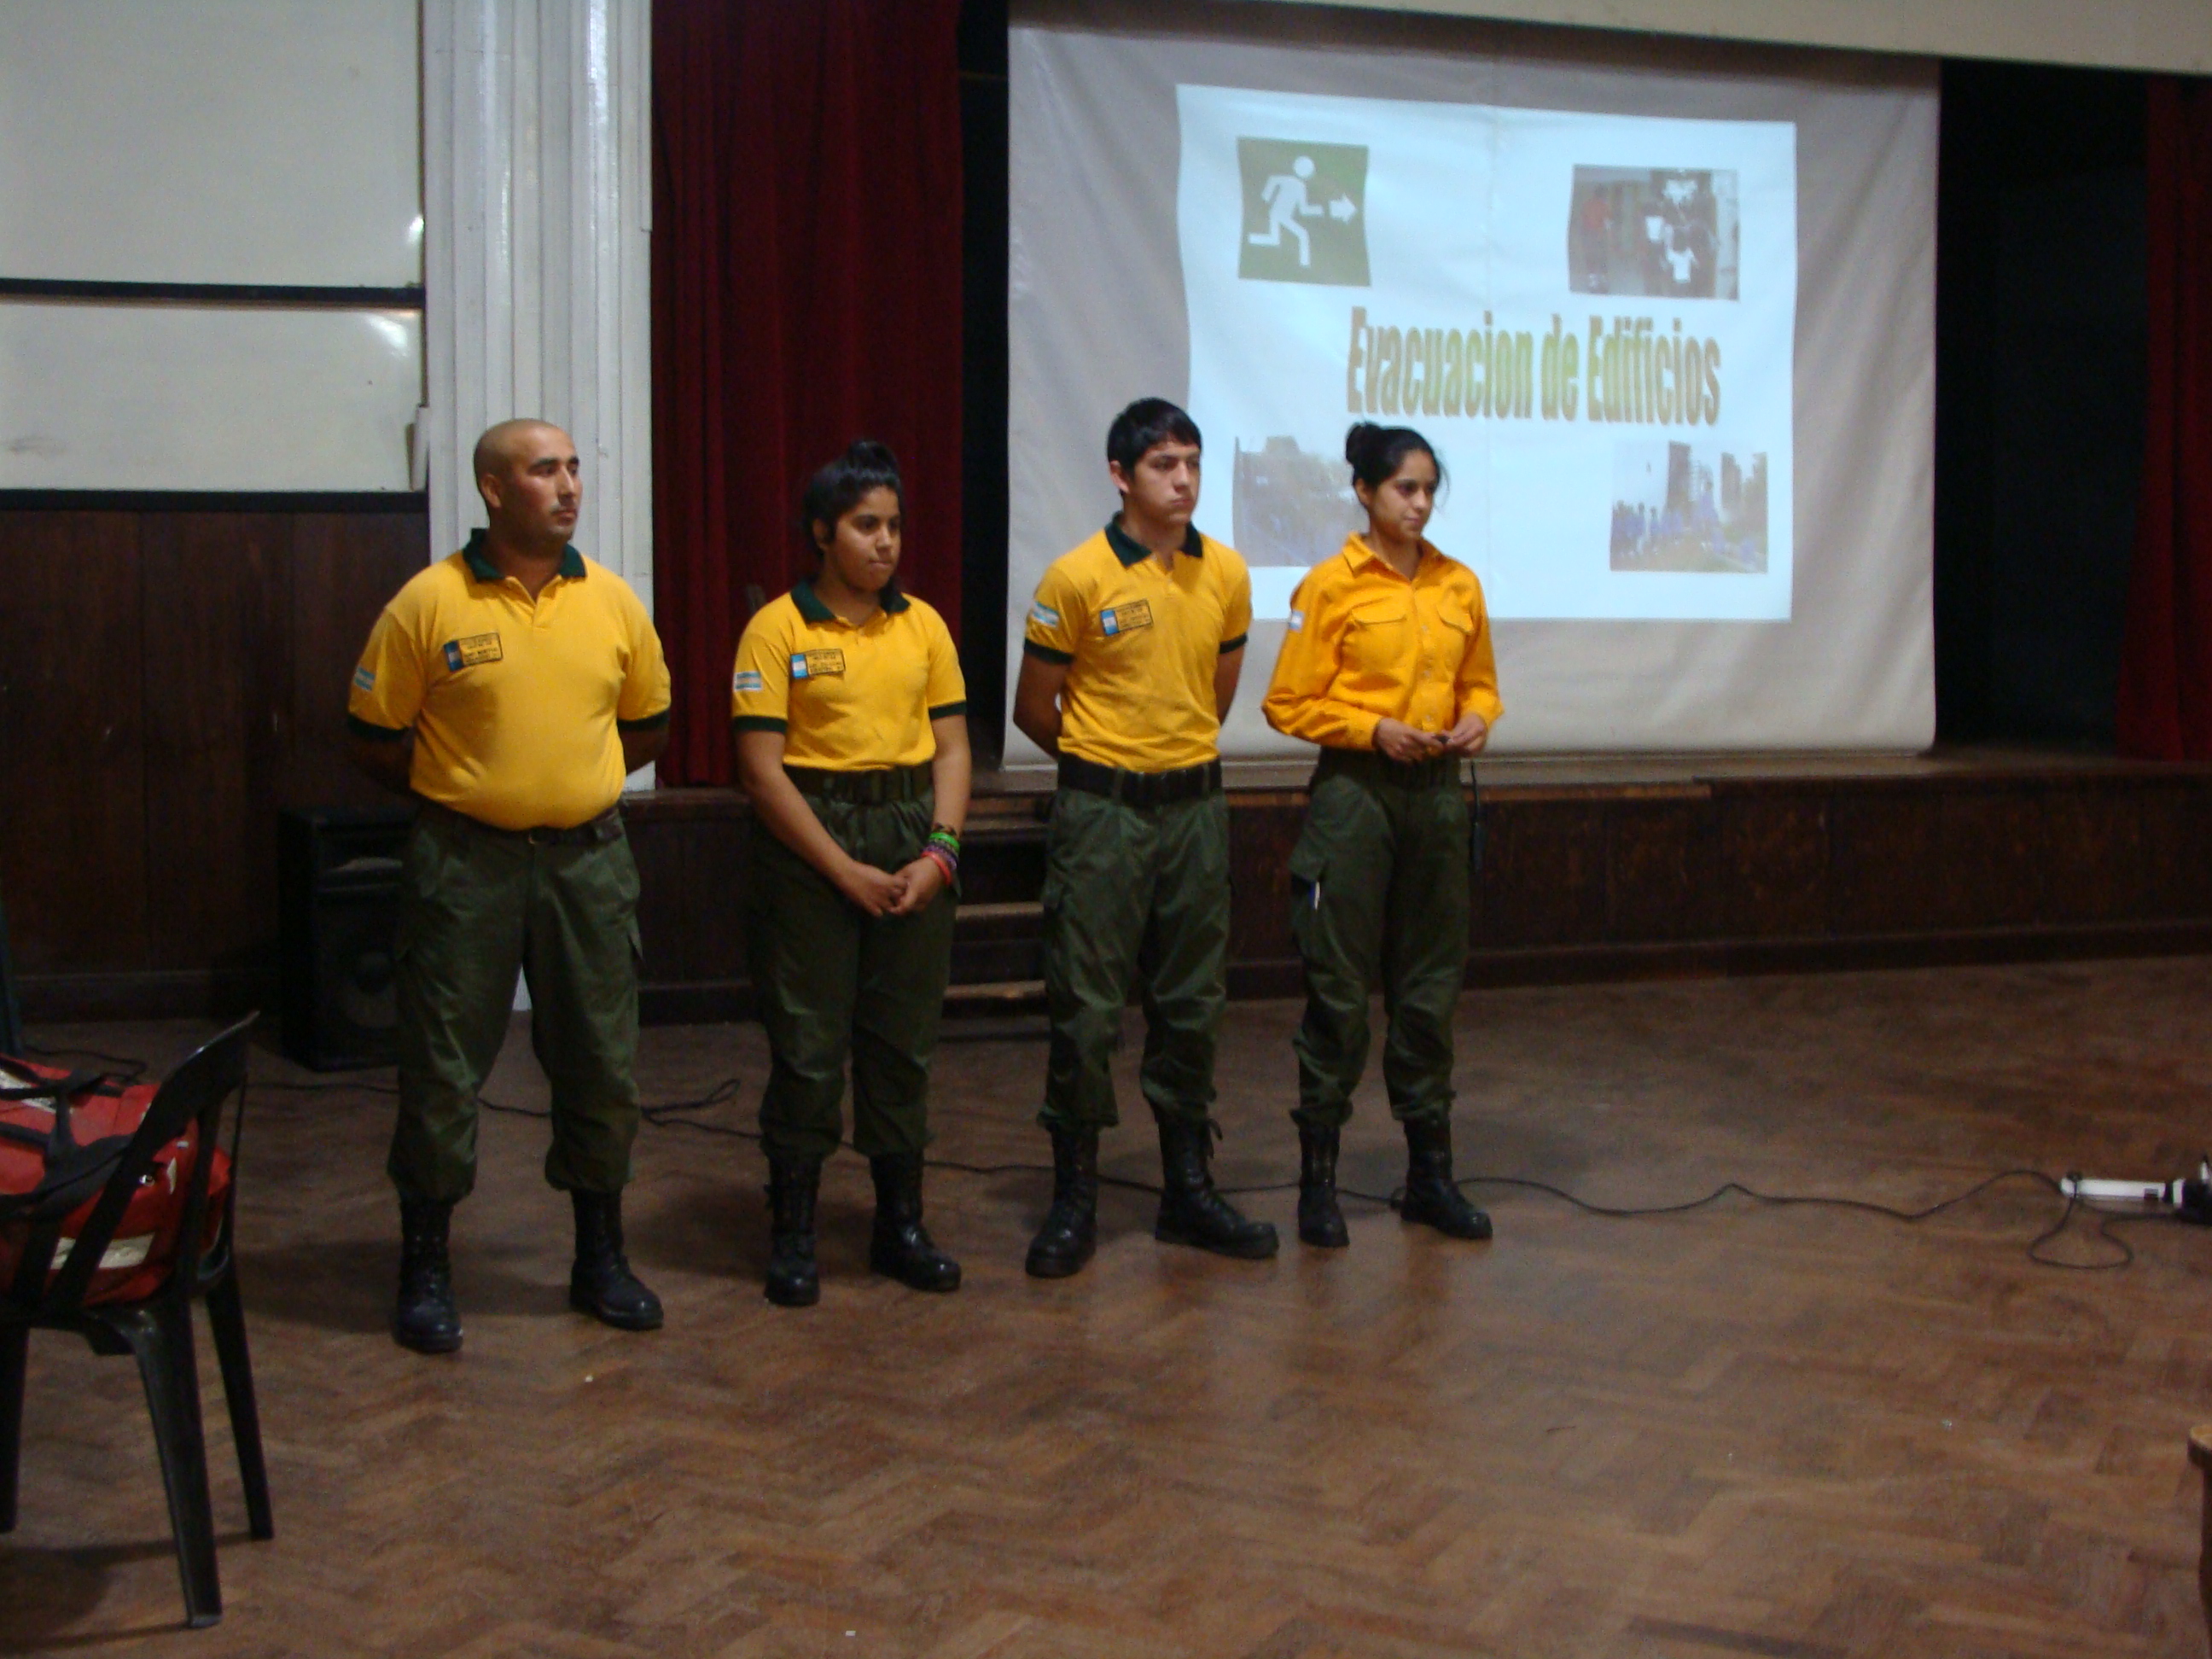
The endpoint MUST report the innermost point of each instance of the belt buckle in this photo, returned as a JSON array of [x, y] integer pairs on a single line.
[[540, 835]]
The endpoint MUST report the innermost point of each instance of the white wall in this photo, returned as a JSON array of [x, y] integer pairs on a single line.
[[241, 142], [222, 141], [2175, 35]]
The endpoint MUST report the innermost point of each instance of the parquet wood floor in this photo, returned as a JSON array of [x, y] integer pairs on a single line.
[[1796, 1433]]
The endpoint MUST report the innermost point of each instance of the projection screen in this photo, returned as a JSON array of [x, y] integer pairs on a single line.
[[1665, 309]]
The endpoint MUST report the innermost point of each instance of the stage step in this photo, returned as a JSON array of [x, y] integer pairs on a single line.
[[994, 996], [1006, 911]]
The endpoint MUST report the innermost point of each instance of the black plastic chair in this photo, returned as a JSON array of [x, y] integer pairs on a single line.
[[11, 1021], [158, 1330]]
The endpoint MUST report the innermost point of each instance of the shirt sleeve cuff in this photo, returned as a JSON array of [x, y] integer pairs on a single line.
[[1046, 653], [945, 711], [756, 723], [1236, 644], [374, 733], [645, 723]]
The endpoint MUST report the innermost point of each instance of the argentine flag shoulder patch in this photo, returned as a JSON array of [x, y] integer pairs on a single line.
[[1043, 615], [365, 678], [1297, 621], [747, 679]]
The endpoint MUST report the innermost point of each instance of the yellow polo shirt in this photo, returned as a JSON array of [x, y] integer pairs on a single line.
[[516, 705], [1141, 645], [1363, 642], [847, 699]]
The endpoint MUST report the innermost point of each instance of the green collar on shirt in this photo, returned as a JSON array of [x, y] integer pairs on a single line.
[[481, 568], [1131, 551], [811, 606]]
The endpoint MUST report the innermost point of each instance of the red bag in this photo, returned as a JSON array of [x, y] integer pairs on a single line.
[[61, 1134]]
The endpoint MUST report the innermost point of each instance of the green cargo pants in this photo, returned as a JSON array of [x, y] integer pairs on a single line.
[[1137, 892], [1379, 895], [476, 905], [832, 982]]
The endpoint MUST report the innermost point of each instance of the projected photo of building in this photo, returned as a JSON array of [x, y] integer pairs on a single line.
[[1688, 507], [1291, 506], [1669, 232]]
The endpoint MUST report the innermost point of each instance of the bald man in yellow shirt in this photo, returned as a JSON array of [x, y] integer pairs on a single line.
[[509, 689]]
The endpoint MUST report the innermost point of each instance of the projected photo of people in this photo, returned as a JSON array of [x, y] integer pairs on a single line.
[[1668, 233], [1291, 506], [1688, 508]]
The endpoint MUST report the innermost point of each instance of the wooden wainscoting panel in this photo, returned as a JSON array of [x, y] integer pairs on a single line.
[[1884, 876], [345, 566], [1774, 854], [72, 742], [1662, 869], [1543, 874], [219, 674]]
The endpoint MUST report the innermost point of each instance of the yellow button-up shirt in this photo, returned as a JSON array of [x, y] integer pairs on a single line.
[[847, 698], [1364, 643], [1141, 645], [517, 705]]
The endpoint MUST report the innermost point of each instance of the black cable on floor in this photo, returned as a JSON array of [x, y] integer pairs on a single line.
[[2110, 1218], [675, 1114]]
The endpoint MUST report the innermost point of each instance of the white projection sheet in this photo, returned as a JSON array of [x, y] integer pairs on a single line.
[[1665, 311]]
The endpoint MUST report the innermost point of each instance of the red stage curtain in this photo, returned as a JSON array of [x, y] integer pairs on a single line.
[[806, 275], [2165, 708]]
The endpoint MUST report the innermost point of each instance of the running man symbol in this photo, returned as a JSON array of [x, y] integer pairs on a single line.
[[1285, 197], [1304, 212]]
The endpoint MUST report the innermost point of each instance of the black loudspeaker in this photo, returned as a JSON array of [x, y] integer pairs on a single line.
[[338, 881]]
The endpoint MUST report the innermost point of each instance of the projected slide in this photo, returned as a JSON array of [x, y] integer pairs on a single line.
[[1591, 316]]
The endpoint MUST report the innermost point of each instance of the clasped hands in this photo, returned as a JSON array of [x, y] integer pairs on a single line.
[[891, 892], [1401, 743]]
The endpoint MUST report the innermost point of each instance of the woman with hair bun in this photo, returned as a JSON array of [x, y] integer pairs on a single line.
[[849, 720], [1388, 666]]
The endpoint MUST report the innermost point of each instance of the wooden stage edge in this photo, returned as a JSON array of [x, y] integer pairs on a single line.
[[1594, 868]]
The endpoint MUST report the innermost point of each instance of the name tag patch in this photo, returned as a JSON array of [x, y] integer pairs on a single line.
[[1126, 618], [747, 680], [817, 664], [468, 652]]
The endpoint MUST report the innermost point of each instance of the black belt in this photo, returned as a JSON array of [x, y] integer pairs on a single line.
[[875, 788], [1374, 767], [1140, 789], [592, 832]]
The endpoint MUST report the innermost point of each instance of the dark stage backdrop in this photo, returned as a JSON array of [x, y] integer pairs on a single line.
[[806, 291], [2039, 397], [2165, 677]]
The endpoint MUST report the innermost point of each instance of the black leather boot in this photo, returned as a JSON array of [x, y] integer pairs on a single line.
[[601, 1283], [1320, 1221], [1192, 1210], [1432, 1198], [900, 1247], [426, 1318], [1070, 1231], [793, 1281]]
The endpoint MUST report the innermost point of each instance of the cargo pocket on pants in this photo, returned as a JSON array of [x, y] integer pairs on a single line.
[[1308, 866]]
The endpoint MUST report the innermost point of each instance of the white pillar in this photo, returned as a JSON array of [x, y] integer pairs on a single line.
[[537, 219]]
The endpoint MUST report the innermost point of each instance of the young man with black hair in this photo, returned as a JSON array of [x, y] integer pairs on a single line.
[[1133, 649]]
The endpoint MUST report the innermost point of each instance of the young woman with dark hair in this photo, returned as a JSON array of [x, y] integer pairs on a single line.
[[1388, 666], [849, 719]]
